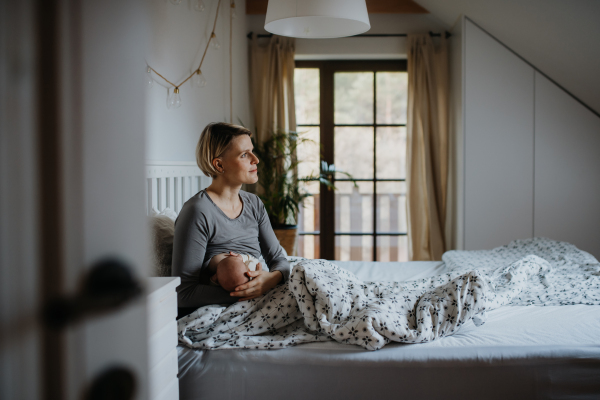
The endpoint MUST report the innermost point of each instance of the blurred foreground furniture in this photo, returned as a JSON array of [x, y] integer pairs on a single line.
[[162, 338]]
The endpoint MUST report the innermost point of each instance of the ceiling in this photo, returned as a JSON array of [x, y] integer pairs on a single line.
[[560, 38], [254, 7]]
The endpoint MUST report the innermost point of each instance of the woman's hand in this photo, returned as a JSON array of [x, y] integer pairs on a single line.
[[263, 282]]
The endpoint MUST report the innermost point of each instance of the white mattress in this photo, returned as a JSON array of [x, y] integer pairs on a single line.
[[520, 352]]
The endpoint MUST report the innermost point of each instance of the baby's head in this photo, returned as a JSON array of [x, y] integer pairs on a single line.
[[231, 272]]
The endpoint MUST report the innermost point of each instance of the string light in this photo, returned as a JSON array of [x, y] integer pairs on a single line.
[[149, 78], [198, 80], [233, 13], [214, 42], [174, 100], [199, 6]]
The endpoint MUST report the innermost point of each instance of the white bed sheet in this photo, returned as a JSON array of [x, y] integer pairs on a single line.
[[520, 352]]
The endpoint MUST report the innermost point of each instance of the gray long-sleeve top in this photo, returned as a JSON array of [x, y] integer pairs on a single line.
[[202, 230]]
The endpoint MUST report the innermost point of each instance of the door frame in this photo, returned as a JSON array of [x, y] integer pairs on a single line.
[[72, 109]]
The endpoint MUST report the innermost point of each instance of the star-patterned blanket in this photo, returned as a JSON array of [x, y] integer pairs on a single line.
[[572, 276], [322, 301]]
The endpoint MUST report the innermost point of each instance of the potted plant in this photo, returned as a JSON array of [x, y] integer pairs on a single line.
[[281, 191]]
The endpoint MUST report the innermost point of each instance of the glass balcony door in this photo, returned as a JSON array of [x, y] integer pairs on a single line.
[[354, 112]]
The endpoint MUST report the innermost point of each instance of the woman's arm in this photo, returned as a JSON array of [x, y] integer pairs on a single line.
[[271, 250], [269, 245], [189, 248]]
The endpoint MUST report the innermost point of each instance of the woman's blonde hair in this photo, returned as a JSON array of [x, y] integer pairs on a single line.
[[213, 142]]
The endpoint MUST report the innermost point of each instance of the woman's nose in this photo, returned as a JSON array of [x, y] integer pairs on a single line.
[[256, 160]]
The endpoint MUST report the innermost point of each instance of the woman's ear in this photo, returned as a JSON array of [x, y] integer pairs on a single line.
[[218, 165]]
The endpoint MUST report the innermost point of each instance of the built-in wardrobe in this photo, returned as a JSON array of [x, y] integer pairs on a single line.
[[525, 153]]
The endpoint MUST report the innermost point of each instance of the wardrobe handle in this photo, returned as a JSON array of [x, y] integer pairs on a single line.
[[108, 285]]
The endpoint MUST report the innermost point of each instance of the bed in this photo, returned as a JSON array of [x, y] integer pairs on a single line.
[[526, 352]]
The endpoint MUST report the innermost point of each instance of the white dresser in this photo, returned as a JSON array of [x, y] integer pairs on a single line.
[[162, 338]]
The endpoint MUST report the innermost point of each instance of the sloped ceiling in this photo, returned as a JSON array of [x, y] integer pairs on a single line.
[[559, 37]]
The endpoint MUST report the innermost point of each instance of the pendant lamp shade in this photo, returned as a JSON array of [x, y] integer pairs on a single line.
[[317, 19]]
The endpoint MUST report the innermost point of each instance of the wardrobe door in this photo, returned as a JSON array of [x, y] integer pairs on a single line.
[[567, 168], [498, 123]]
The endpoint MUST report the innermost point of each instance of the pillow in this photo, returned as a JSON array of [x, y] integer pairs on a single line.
[[163, 230], [167, 212]]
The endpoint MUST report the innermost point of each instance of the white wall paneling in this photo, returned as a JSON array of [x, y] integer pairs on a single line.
[[567, 168], [498, 129]]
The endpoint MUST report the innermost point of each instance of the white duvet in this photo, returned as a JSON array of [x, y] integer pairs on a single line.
[[572, 276], [322, 301]]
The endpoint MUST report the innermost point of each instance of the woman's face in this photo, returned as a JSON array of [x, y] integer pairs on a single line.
[[238, 162]]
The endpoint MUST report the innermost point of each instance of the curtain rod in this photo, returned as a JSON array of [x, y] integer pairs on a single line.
[[432, 34]]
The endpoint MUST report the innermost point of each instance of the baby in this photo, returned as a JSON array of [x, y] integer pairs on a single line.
[[231, 270]]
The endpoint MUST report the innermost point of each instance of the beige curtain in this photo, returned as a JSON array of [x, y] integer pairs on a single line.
[[272, 85], [427, 146]]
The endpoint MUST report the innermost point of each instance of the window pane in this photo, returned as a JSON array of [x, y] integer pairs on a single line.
[[391, 207], [353, 98], [391, 153], [354, 248], [354, 207], [308, 152], [308, 246], [392, 248], [306, 95], [392, 93], [354, 151], [308, 217]]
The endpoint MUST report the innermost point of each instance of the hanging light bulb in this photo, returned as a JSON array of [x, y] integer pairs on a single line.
[[214, 42], [198, 80], [233, 13], [175, 99], [199, 5], [149, 78], [168, 99], [176, 2]]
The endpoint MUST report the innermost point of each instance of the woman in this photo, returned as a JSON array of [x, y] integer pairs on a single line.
[[222, 219]]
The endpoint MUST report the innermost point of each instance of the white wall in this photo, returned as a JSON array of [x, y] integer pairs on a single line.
[[362, 48], [177, 41]]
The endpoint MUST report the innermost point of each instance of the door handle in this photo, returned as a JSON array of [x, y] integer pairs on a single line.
[[116, 383], [108, 285]]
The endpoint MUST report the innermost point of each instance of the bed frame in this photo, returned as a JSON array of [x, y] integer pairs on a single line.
[[170, 184]]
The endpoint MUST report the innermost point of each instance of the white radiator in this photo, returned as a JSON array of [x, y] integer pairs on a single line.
[[170, 184]]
